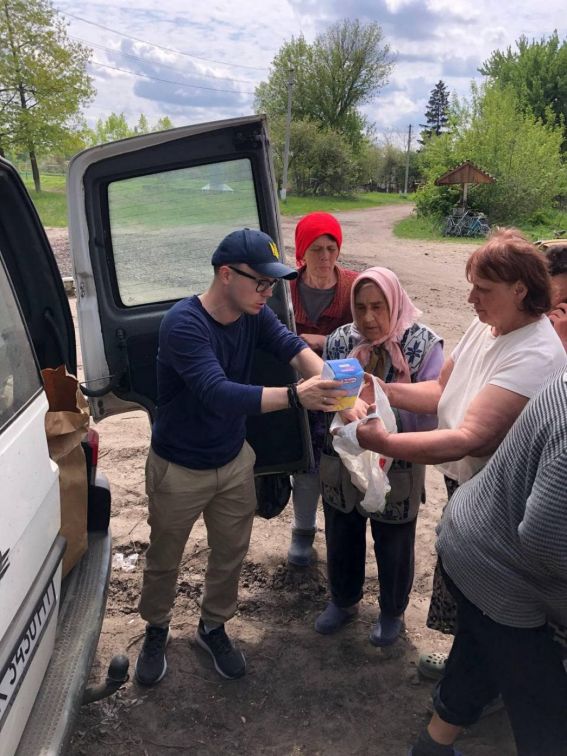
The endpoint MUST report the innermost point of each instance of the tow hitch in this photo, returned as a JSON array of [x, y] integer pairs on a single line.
[[116, 677]]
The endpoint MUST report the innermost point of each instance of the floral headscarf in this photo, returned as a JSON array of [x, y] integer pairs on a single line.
[[403, 313]]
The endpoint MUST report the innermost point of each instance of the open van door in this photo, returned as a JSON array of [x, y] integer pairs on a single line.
[[145, 215]]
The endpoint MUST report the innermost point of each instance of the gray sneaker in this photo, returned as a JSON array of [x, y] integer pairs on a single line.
[[152, 665], [228, 661]]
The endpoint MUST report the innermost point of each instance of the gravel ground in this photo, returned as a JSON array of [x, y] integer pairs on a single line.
[[304, 693]]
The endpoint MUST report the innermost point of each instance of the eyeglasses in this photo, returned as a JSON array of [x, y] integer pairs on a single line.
[[262, 284]]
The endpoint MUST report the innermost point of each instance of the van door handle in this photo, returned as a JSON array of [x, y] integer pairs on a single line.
[[94, 393]]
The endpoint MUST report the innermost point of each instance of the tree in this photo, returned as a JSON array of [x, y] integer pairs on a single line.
[[382, 164], [115, 126], [521, 152], [143, 126], [162, 124], [343, 69], [437, 113], [43, 80], [537, 72], [322, 160]]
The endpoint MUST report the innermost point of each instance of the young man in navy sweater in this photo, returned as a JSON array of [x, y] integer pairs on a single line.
[[199, 461]]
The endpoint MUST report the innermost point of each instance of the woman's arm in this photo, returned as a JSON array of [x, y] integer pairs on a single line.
[[489, 417], [421, 398], [429, 370], [314, 340], [543, 530]]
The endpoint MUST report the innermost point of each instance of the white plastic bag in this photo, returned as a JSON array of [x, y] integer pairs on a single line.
[[367, 469]]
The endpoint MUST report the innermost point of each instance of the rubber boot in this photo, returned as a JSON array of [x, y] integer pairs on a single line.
[[301, 552]]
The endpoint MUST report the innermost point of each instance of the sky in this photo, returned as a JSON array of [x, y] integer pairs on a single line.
[[200, 60]]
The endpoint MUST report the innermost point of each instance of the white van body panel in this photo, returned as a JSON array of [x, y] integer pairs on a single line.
[[18, 715], [49, 627], [29, 503], [30, 517]]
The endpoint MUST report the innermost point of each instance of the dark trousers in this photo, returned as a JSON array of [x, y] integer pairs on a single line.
[[522, 664], [346, 558]]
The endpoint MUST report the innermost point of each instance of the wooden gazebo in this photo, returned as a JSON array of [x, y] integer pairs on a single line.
[[465, 174]]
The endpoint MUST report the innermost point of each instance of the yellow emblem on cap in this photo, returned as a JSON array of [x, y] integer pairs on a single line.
[[274, 249]]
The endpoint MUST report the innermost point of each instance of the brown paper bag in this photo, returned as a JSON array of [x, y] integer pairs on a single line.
[[66, 423]]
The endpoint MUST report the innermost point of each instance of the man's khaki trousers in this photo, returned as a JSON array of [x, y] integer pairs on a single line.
[[226, 497]]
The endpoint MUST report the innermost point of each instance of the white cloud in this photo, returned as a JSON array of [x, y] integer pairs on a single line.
[[229, 46]]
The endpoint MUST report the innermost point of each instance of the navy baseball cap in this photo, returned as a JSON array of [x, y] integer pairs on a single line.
[[256, 249]]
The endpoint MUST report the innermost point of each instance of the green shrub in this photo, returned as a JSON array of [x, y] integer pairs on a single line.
[[436, 201], [519, 151]]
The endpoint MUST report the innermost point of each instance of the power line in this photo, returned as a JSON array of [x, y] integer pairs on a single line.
[[157, 63], [161, 47], [168, 81]]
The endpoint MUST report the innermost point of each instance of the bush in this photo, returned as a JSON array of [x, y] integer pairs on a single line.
[[436, 201], [541, 218], [522, 153], [321, 160]]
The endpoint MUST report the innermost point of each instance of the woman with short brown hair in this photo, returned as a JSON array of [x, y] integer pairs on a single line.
[[501, 361]]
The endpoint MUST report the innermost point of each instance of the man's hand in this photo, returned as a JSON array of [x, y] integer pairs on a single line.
[[320, 394], [558, 319], [314, 340]]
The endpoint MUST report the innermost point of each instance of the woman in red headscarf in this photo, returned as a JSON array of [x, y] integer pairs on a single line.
[[321, 303]]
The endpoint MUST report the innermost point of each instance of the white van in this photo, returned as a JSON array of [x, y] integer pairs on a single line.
[[143, 223], [49, 629]]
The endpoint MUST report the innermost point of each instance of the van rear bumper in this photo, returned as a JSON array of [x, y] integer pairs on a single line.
[[83, 602]]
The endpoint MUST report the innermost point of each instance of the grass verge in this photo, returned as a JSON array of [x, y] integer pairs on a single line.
[[51, 202], [301, 205], [414, 227]]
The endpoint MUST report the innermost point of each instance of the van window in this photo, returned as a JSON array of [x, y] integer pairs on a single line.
[[165, 226], [19, 376]]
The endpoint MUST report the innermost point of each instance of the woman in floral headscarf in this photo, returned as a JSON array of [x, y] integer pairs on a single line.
[[320, 297], [390, 344]]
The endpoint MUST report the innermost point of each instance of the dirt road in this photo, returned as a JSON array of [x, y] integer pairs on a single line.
[[304, 693]]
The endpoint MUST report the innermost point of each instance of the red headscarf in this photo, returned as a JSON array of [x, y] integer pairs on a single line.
[[311, 227]]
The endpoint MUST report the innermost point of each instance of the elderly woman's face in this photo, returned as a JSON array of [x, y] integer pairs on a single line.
[[371, 311], [321, 255], [497, 303]]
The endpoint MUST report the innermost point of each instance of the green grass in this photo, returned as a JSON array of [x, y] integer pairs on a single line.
[[51, 202], [428, 229], [414, 227], [301, 205], [553, 221]]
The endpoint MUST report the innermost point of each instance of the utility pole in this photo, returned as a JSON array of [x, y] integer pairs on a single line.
[[407, 160], [290, 83]]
